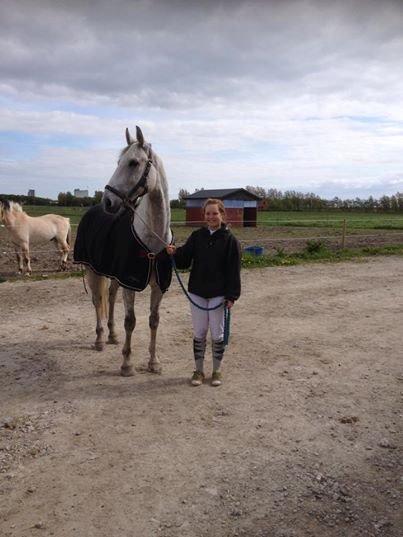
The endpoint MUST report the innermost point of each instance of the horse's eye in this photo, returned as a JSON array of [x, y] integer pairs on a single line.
[[133, 162]]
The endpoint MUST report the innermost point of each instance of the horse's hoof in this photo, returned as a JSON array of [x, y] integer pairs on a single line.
[[98, 346], [154, 368], [127, 371], [112, 340]]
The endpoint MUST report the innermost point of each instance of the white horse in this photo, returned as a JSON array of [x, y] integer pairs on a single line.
[[26, 230], [139, 182]]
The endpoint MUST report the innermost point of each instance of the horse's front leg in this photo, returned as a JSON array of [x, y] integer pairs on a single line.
[[113, 291], [27, 259], [99, 286], [154, 364], [19, 259], [126, 369]]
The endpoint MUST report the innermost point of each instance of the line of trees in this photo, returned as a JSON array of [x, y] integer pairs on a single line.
[[271, 200], [27, 200], [66, 199], [290, 200]]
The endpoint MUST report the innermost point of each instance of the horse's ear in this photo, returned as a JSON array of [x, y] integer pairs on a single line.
[[139, 136], [129, 138]]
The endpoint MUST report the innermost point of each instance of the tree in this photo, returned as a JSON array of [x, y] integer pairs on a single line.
[[98, 196], [257, 190], [183, 193]]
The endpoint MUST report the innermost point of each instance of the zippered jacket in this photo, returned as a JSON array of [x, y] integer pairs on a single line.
[[215, 261]]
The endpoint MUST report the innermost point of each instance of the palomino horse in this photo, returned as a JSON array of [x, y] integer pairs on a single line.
[[136, 194], [26, 230]]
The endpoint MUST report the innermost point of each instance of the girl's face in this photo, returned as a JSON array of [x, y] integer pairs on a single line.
[[212, 216]]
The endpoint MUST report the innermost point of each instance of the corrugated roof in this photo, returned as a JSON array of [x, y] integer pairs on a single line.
[[220, 193]]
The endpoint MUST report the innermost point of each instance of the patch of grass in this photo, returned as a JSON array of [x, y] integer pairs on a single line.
[[322, 255], [41, 277], [74, 213], [331, 219]]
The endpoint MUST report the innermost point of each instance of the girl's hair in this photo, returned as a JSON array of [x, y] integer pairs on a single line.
[[220, 205]]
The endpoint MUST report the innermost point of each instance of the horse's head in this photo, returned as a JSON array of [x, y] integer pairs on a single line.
[[134, 176]]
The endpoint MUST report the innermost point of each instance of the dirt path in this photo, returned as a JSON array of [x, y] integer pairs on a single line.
[[302, 439]]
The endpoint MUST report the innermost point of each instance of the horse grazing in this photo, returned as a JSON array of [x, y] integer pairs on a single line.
[[26, 230], [123, 241]]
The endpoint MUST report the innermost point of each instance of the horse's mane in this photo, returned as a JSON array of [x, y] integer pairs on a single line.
[[16, 207]]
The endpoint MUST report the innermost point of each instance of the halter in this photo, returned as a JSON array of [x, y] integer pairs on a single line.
[[142, 183]]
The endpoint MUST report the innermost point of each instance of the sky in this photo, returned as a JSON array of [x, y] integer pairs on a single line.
[[302, 95]]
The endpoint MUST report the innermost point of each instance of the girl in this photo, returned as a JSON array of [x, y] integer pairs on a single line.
[[214, 255]]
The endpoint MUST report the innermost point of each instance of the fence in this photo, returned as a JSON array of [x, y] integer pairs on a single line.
[[265, 235]]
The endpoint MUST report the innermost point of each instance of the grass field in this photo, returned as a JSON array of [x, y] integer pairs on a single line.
[[287, 237], [311, 219]]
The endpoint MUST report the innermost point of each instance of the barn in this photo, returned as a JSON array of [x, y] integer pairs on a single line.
[[240, 206]]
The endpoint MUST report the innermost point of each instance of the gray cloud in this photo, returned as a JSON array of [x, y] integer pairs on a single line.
[[302, 94], [180, 54]]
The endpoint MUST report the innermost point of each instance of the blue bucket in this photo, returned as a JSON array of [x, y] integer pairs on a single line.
[[254, 250]]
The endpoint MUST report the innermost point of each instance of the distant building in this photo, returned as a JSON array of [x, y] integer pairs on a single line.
[[240, 206], [80, 193], [31, 193]]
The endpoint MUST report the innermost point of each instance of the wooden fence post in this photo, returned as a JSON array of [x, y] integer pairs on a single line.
[[343, 236]]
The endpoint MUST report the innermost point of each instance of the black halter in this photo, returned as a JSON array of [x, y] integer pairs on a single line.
[[142, 183]]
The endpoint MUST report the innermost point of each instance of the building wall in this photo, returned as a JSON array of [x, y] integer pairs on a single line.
[[237, 211], [194, 216], [80, 193]]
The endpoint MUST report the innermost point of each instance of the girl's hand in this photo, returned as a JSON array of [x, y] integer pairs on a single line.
[[171, 249], [229, 304]]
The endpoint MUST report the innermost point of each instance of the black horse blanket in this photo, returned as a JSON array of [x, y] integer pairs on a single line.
[[108, 244]]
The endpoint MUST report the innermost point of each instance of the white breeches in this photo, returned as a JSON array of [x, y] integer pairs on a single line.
[[203, 320]]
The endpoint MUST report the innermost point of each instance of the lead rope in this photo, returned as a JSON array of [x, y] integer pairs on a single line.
[[227, 312]]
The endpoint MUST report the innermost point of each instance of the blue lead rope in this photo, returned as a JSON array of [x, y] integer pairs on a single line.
[[227, 322], [227, 312]]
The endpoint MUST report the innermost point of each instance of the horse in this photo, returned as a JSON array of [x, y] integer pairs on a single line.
[[136, 205], [26, 230]]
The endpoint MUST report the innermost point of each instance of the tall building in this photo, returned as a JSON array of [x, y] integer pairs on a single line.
[[80, 193], [31, 193]]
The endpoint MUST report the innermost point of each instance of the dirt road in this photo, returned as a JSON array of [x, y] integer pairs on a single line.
[[302, 439]]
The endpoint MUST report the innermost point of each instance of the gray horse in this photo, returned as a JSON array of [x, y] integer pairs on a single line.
[[139, 185]]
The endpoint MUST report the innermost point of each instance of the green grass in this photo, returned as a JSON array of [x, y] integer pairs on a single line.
[[354, 220], [323, 255], [74, 213], [331, 219]]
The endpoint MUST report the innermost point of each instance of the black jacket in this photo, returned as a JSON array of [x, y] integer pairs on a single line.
[[215, 261]]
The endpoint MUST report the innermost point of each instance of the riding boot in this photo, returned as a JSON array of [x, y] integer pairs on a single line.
[[199, 348], [218, 348]]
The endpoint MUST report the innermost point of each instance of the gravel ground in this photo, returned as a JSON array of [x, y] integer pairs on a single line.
[[302, 439]]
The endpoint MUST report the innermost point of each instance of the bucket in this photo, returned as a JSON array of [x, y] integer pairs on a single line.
[[254, 250]]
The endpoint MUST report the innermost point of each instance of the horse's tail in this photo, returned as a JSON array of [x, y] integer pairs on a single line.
[[99, 286], [68, 238]]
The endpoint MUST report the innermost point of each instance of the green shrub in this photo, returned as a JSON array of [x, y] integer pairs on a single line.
[[315, 246], [280, 252]]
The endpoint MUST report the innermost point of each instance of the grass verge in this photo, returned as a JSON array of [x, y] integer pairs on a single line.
[[323, 254]]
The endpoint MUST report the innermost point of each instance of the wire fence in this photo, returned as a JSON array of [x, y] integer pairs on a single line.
[[341, 239]]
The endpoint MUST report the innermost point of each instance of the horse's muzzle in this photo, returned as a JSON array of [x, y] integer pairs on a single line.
[[111, 206]]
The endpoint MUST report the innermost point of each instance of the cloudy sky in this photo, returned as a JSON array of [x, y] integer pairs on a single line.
[[289, 94]]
